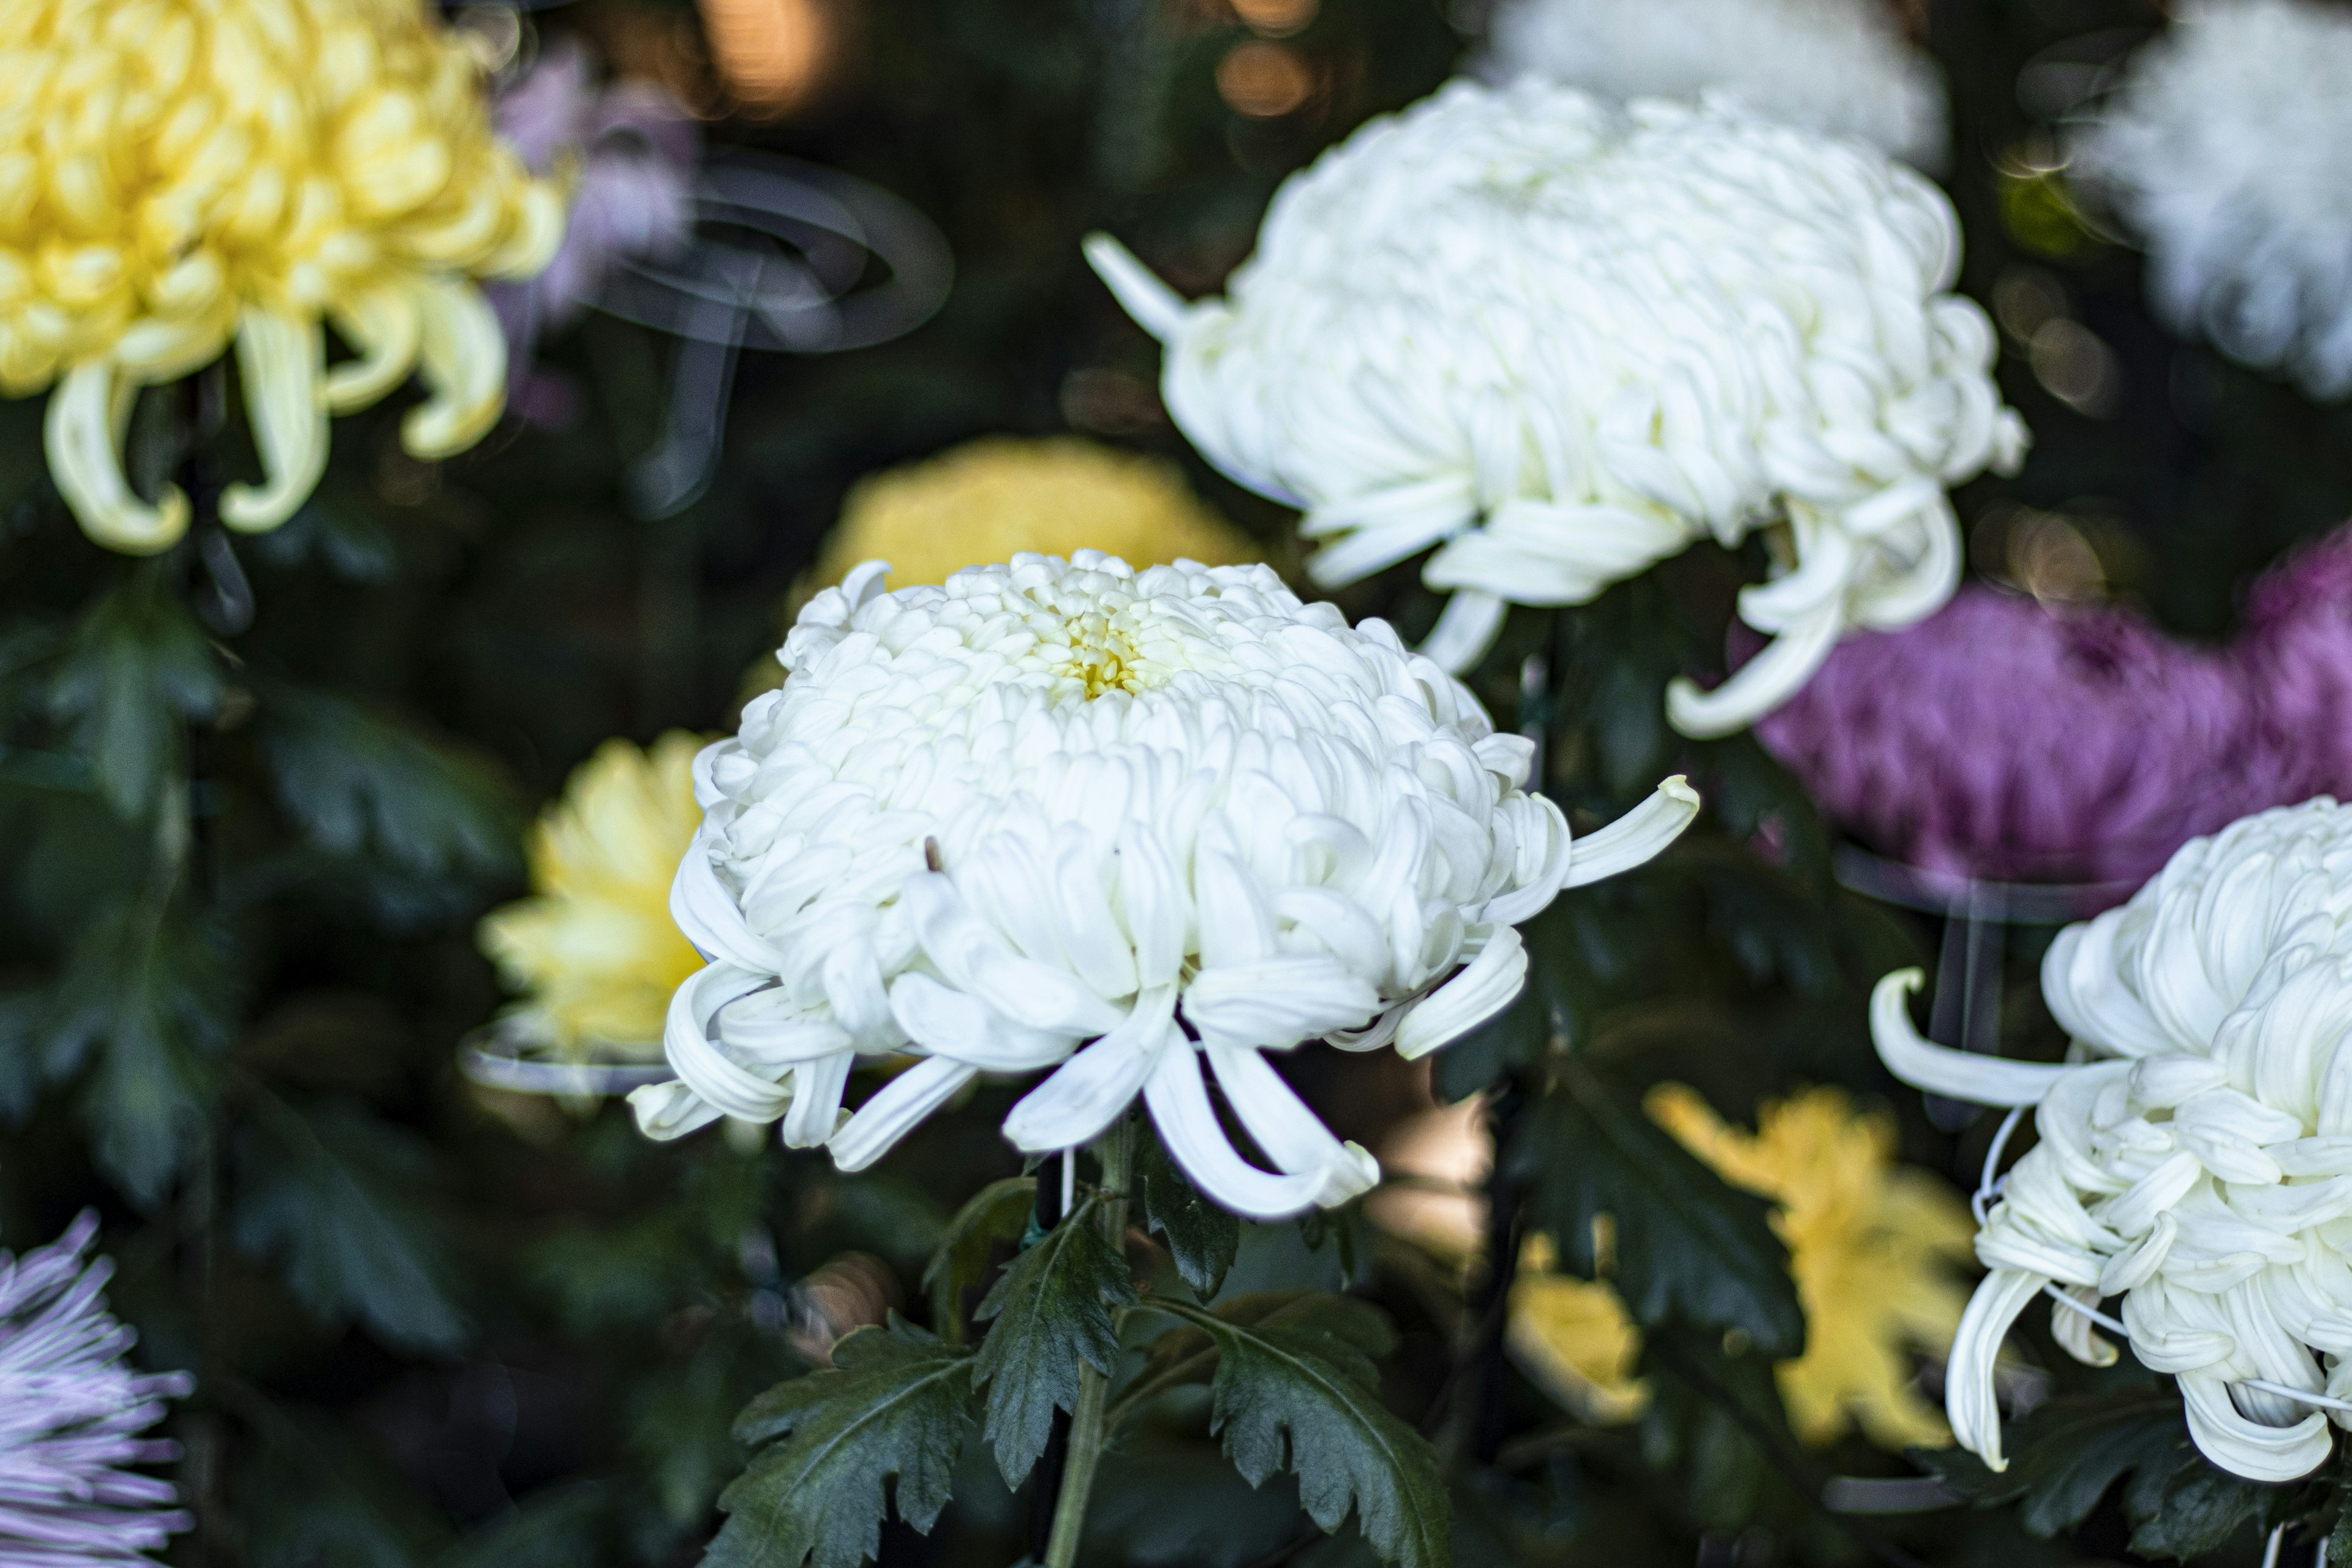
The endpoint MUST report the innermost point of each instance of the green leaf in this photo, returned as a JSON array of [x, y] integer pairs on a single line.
[[1202, 1237], [1305, 1399], [2201, 1509], [1689, 1247], [2072, 1450], [895, 1401], [1050, 1310], [997, 1213], [138, 669], [151, 993], [333, 1197], [556, 1526], [316, 1492], [363, 782], [1189, 1355]]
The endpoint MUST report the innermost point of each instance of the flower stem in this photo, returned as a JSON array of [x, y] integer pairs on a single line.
[[1115, 1149]]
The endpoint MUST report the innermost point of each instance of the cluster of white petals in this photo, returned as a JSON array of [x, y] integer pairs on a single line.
[[1066, 814], [2227, 149], [1841, 67], [1560, 341], [2196, 1149]]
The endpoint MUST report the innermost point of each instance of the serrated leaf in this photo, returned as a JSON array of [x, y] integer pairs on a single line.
[[138, 669], [2201, 1509], [1304, 1400], [895, 1402], [997, 1213], [150, 993], [1689, 1247], [2072, 1450], [331, 1196], [1050, 1310], [1189, 1355], [1202, 1237], [362, 782]]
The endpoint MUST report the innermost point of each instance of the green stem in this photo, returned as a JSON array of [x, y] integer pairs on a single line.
[[1115, 1149]]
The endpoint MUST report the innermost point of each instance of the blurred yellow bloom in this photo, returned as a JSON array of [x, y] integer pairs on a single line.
[[177, 173], [595, 949], [990, 498], [1873, 1246]]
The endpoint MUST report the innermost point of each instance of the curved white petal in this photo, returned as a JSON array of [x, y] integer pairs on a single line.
[[462, 356], [950, 1023], [1187, 1127], [668, 1111], [1969, 1397], [1635, 839], [1156, 307], [726, 1085], [1278, 1002], [708, 915], [2250, 1449], [1293, 1137], [1938, 1070], [279, 360], [1475, 993], [1086, 1093], [896, 1108], [1466, 629], [1760, 685], [83, 431]]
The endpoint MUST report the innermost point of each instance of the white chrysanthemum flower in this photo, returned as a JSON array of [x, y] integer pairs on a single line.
[[2196, 1149], [1560, 341], [1841, 67], [2227, 149], [71, 1415], [1067, 815]]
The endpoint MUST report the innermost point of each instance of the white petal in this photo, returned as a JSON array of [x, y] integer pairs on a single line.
[[1278, 1002], [83, 434], [817, 1099], [1969, 1398], [710, 917], [1466, 629], [948, 1023], [1157, 307], [2076, 1334], [2249, 1448], [895, 1109], [279, 360], [975, 958], [1188, 1128], [1475, 993], [727, 1086], [1760, 685], [667, 1111], [1640, 835], [1293, 1137], [1962, 1075], [1086, 1093]]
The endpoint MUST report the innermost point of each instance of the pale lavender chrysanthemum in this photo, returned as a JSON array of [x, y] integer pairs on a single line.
[[637, 148], [2007, 740], [71, 1411]]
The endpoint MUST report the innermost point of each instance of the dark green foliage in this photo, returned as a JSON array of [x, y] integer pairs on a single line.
[[334, 1195], [1689, 1247], [996, 1216], [1050, 1310], [1291, 1394], [137, 669], [893, 1405], [1200, 1236]]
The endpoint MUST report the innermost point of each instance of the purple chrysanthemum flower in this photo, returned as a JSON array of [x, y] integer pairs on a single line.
[[71, 1411], [637, 148], [2007, 740]]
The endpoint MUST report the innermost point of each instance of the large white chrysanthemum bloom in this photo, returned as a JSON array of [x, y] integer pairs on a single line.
[[2227, 149], [1841, 67], [1067, 815], [2196, 1149], [1560, 341]]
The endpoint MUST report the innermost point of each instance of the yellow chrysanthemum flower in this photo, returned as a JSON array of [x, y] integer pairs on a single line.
[[595, 949], [177, 173], [1871, 1245], [989, 498]]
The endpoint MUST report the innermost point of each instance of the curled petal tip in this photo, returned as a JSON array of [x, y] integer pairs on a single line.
[[1939, 1069], [1636, 837], [83, 434], [1157, 307]]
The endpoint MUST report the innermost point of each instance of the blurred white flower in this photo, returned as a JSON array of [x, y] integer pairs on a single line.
[[2196, 1149], [70, 1414], [1065, 815], [2227, 149], [1560, 341], [1841, 67]]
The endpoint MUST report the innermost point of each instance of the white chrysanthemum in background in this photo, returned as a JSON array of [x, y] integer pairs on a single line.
[[71, 1411], [2228, 150], [1842, 67], [1066, 814], [2196, 1150], [1560, 342]]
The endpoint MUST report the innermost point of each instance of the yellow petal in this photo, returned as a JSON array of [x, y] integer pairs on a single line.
[[280, 359], [463, 358], [86, 417], [382, 325]]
